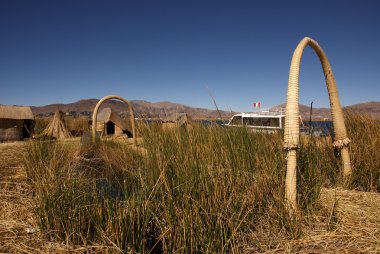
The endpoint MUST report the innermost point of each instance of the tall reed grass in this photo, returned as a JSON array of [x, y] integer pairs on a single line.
[[41, 124], [364, 132], [77, 125], [201, 190]]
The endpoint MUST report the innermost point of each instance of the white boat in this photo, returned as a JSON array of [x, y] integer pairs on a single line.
[[262, 120]]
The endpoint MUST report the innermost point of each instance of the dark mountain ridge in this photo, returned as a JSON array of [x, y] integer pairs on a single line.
[[371, 109], [141, 108], [156, 109]]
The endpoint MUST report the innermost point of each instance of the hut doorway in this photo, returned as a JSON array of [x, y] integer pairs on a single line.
[[27, 128], [128, 133], [110, 128]]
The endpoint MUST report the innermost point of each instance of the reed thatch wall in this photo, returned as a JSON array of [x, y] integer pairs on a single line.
[[16, 123]]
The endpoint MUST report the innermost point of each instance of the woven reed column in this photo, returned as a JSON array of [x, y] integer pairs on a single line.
[[291, 132], [95, 115]]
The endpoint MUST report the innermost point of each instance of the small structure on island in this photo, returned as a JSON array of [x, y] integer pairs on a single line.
[[16, 123], [57, 127], [95, 116], [110, 123], [175, 120]]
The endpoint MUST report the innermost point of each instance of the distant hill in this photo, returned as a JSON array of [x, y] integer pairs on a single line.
[[371, 108], [317, 114], [142, 109], [155, 109]]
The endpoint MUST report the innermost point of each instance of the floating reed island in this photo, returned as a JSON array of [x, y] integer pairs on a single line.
[[196, 189]]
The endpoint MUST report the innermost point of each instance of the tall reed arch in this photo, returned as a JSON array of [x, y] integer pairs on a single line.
[[291, 132], [95, 115]]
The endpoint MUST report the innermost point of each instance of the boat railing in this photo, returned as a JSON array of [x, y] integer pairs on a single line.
[[268, 112]]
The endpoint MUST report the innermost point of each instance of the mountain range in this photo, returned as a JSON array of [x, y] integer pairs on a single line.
[[159, 109], [141, 109]]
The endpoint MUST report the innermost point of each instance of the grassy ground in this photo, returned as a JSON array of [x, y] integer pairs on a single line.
[[206, 190], [354, 227]]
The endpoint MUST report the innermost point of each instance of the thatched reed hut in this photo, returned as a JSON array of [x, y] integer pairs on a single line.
[[57, 127], [175, 120], [110, 123], [16, 123]]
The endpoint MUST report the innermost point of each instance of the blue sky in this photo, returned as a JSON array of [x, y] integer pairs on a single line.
[[62, 51]]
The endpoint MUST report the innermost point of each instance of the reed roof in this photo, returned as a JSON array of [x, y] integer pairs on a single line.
[[16, 112], [107, 115]]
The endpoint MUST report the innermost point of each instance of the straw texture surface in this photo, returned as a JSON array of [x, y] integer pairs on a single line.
[[95, 115], [291, 133], [16, 112], [57, 127]]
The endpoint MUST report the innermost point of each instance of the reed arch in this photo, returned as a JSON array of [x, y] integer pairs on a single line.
[[95, 115], [291, 132]]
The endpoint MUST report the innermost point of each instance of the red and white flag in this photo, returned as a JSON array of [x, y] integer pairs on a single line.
[[257, 104]]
